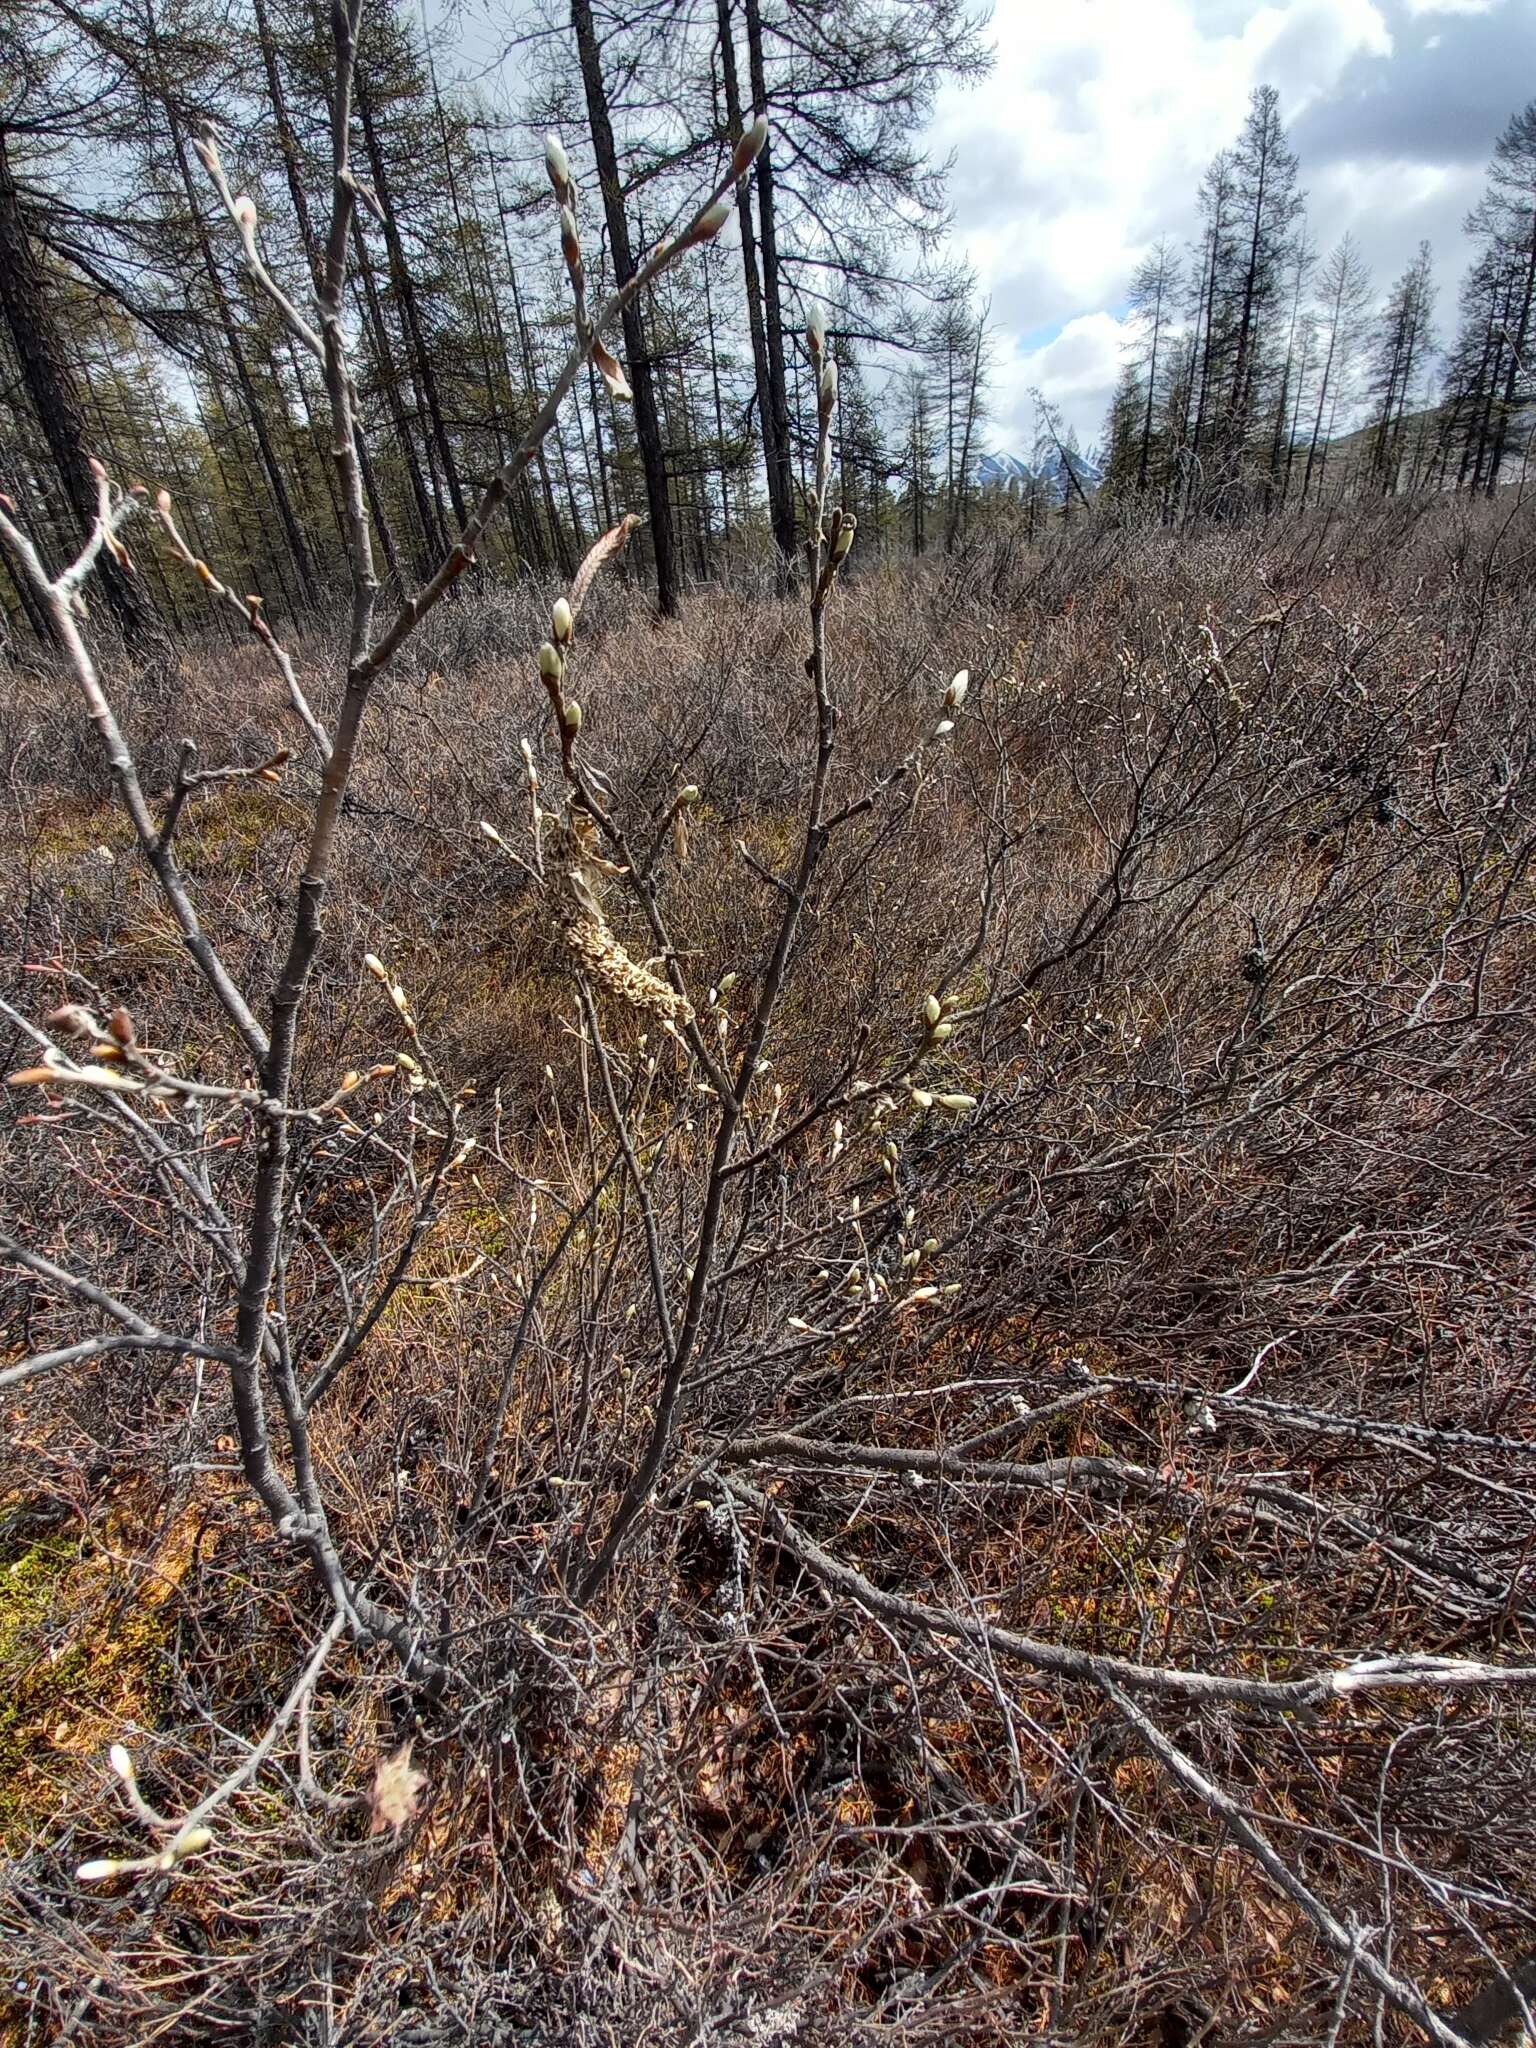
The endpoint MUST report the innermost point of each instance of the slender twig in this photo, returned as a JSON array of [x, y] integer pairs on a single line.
[[1245, 1831]]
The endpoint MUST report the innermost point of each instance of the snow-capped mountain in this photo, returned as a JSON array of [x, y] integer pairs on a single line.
[[1005, 469]]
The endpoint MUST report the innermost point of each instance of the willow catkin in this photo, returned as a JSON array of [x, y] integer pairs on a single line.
[[591, 943]]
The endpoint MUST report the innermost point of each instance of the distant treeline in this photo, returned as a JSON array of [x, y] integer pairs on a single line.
[[1254, 355]]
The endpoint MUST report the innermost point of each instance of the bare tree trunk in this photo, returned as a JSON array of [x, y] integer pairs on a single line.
[[1146, 423], [957, 509], [781, 511], [1206, 312], [422, 370], [602, 454], [504, 431], [714, 372], [1323, 390], [647, 425], [250, 398], [288, 145], [531, 390], [784, 509], [434, 542]]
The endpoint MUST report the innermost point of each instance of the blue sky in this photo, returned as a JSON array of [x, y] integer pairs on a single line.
[[1089, 140]]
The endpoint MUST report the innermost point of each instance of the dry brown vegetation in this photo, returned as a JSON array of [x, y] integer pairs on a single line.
[[973, 1629]]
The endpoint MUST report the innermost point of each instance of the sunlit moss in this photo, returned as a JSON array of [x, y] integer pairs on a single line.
[[78, 1664]]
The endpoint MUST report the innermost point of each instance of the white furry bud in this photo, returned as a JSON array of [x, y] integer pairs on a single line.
[[750, 147], [557, 163]]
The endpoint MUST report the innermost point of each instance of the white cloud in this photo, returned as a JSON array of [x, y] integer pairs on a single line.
[[1396, 205], [1074, 371]]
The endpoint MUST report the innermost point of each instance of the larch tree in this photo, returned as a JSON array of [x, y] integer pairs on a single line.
[[1153, 300], [54, 114], [1267, 206], [1493, 374], [954, 348], [1343, 299], [1293, 369], [1403, 345], [1209, 317]]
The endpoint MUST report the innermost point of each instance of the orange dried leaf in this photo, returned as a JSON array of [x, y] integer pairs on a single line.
[[612, 371], [612, 543]]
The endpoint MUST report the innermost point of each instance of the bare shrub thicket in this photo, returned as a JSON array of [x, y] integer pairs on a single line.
[[810, 1324]]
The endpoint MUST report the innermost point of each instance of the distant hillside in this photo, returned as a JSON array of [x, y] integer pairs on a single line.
[[1420, 431], [1421, 438]]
